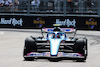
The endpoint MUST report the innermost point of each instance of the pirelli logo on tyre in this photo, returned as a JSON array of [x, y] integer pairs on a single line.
[[39, 22], [91, 23]]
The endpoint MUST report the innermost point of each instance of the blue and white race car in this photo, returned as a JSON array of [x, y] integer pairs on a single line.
[[56, 45]]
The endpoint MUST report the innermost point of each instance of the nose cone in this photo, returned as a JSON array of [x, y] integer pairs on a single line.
[[54, 46]]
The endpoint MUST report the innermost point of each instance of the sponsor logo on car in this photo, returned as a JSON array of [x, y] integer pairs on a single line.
[[66, 29], [71, 54], [91, 23], [49, 29], [39, 22], [37, 54]]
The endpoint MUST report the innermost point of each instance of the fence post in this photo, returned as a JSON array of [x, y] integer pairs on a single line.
[[64, 7], [98, 8], [12, 9], [28, 8]]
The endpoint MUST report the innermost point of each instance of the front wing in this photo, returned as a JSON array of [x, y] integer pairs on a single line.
[[60, 55]]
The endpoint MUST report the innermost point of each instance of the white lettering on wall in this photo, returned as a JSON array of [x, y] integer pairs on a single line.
[[67, 22], [12, 21]]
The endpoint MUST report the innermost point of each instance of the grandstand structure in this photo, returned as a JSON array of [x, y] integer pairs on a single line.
[[50, 7]]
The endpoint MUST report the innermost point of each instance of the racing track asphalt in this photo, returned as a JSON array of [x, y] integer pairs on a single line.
[[12, 43]]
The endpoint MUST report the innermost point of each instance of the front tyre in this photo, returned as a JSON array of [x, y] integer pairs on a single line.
[[81, 47], [30, 46]]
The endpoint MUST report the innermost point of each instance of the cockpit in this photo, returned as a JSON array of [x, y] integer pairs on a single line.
[[56, 35]]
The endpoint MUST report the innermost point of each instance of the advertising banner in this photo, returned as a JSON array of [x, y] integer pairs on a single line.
[[89, 23]]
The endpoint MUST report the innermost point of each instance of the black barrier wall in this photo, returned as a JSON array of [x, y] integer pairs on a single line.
[[89, 23]]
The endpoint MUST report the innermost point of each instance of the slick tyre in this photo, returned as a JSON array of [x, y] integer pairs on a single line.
[[30, 46], [81, 47]]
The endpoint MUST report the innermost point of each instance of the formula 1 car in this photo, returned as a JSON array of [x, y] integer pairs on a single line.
[[56, 45]]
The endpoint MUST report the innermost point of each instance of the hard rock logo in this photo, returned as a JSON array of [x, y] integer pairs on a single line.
[[39, 22], [91, 23]]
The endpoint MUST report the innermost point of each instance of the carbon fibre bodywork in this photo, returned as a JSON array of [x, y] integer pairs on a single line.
[[56, 45]]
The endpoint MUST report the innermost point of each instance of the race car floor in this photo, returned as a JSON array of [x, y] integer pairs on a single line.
[[12, 43]]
